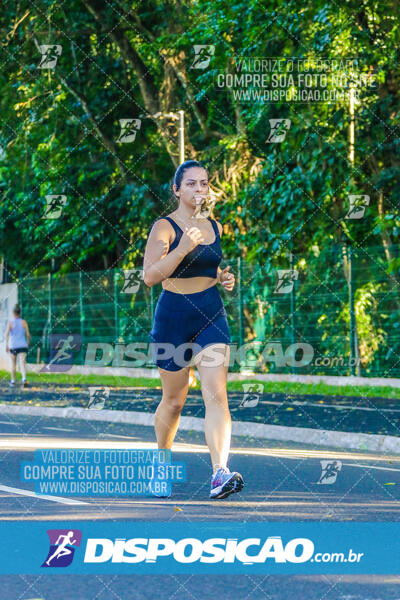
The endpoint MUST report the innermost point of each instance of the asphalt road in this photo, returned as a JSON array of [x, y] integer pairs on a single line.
[[281, 485], [281, 479], [199, 587], [340, 413]]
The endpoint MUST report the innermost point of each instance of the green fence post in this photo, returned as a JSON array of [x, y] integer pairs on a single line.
[[240, 301], [351, 309], [50, 300], [116, 324], [292, 309], [81, 317]]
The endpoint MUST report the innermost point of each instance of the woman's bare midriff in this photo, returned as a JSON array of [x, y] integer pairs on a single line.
[[191, 285]]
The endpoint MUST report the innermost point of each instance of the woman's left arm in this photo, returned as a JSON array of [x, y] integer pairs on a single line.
[[28, 334], [219, 271], [226, 279]]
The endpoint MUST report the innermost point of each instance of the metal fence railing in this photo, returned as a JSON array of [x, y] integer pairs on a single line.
[[334, 311]]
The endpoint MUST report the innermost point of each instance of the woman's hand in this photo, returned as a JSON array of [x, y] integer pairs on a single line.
[[7, 349], [191, 238], [227, 280]]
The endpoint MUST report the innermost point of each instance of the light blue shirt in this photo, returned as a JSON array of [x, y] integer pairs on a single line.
[[17, 334]]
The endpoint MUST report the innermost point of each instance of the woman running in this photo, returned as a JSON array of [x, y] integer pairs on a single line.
[[20, 338], [183, 252]]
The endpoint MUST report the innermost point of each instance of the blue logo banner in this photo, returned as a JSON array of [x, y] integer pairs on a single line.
[[84, 547]]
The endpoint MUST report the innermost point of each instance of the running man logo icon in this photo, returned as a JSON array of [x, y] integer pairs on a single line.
[[205, 208], [286, 279], [202, 57], [63, 348], [129, 129], [251, 393], [330, 470], [279, 129], [55, 205], [357, 206], [50, 54], [63, 543], [98, 397], [132, 281]]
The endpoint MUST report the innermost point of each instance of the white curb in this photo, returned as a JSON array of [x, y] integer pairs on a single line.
[[318, 437]]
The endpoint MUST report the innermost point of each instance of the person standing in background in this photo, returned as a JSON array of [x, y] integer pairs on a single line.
[[18, 332]]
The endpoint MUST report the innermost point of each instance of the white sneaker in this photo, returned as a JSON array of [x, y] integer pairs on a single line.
[[224, 483]]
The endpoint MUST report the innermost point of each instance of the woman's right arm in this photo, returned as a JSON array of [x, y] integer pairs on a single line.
[[158, 264]]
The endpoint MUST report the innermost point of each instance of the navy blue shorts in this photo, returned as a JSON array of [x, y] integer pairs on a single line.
[[184, 324], [16, 351]]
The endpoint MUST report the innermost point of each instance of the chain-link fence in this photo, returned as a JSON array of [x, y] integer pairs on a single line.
[[332, 312]]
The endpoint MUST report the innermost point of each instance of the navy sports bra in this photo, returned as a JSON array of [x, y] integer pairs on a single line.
[[203, 260]]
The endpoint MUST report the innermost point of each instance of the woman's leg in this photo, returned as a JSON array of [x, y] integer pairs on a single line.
[[175, 386], [22, 358], [213, 376], [13, 366]]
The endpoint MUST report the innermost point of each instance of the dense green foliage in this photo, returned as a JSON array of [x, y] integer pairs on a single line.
[[133, 60], [129, 59]]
